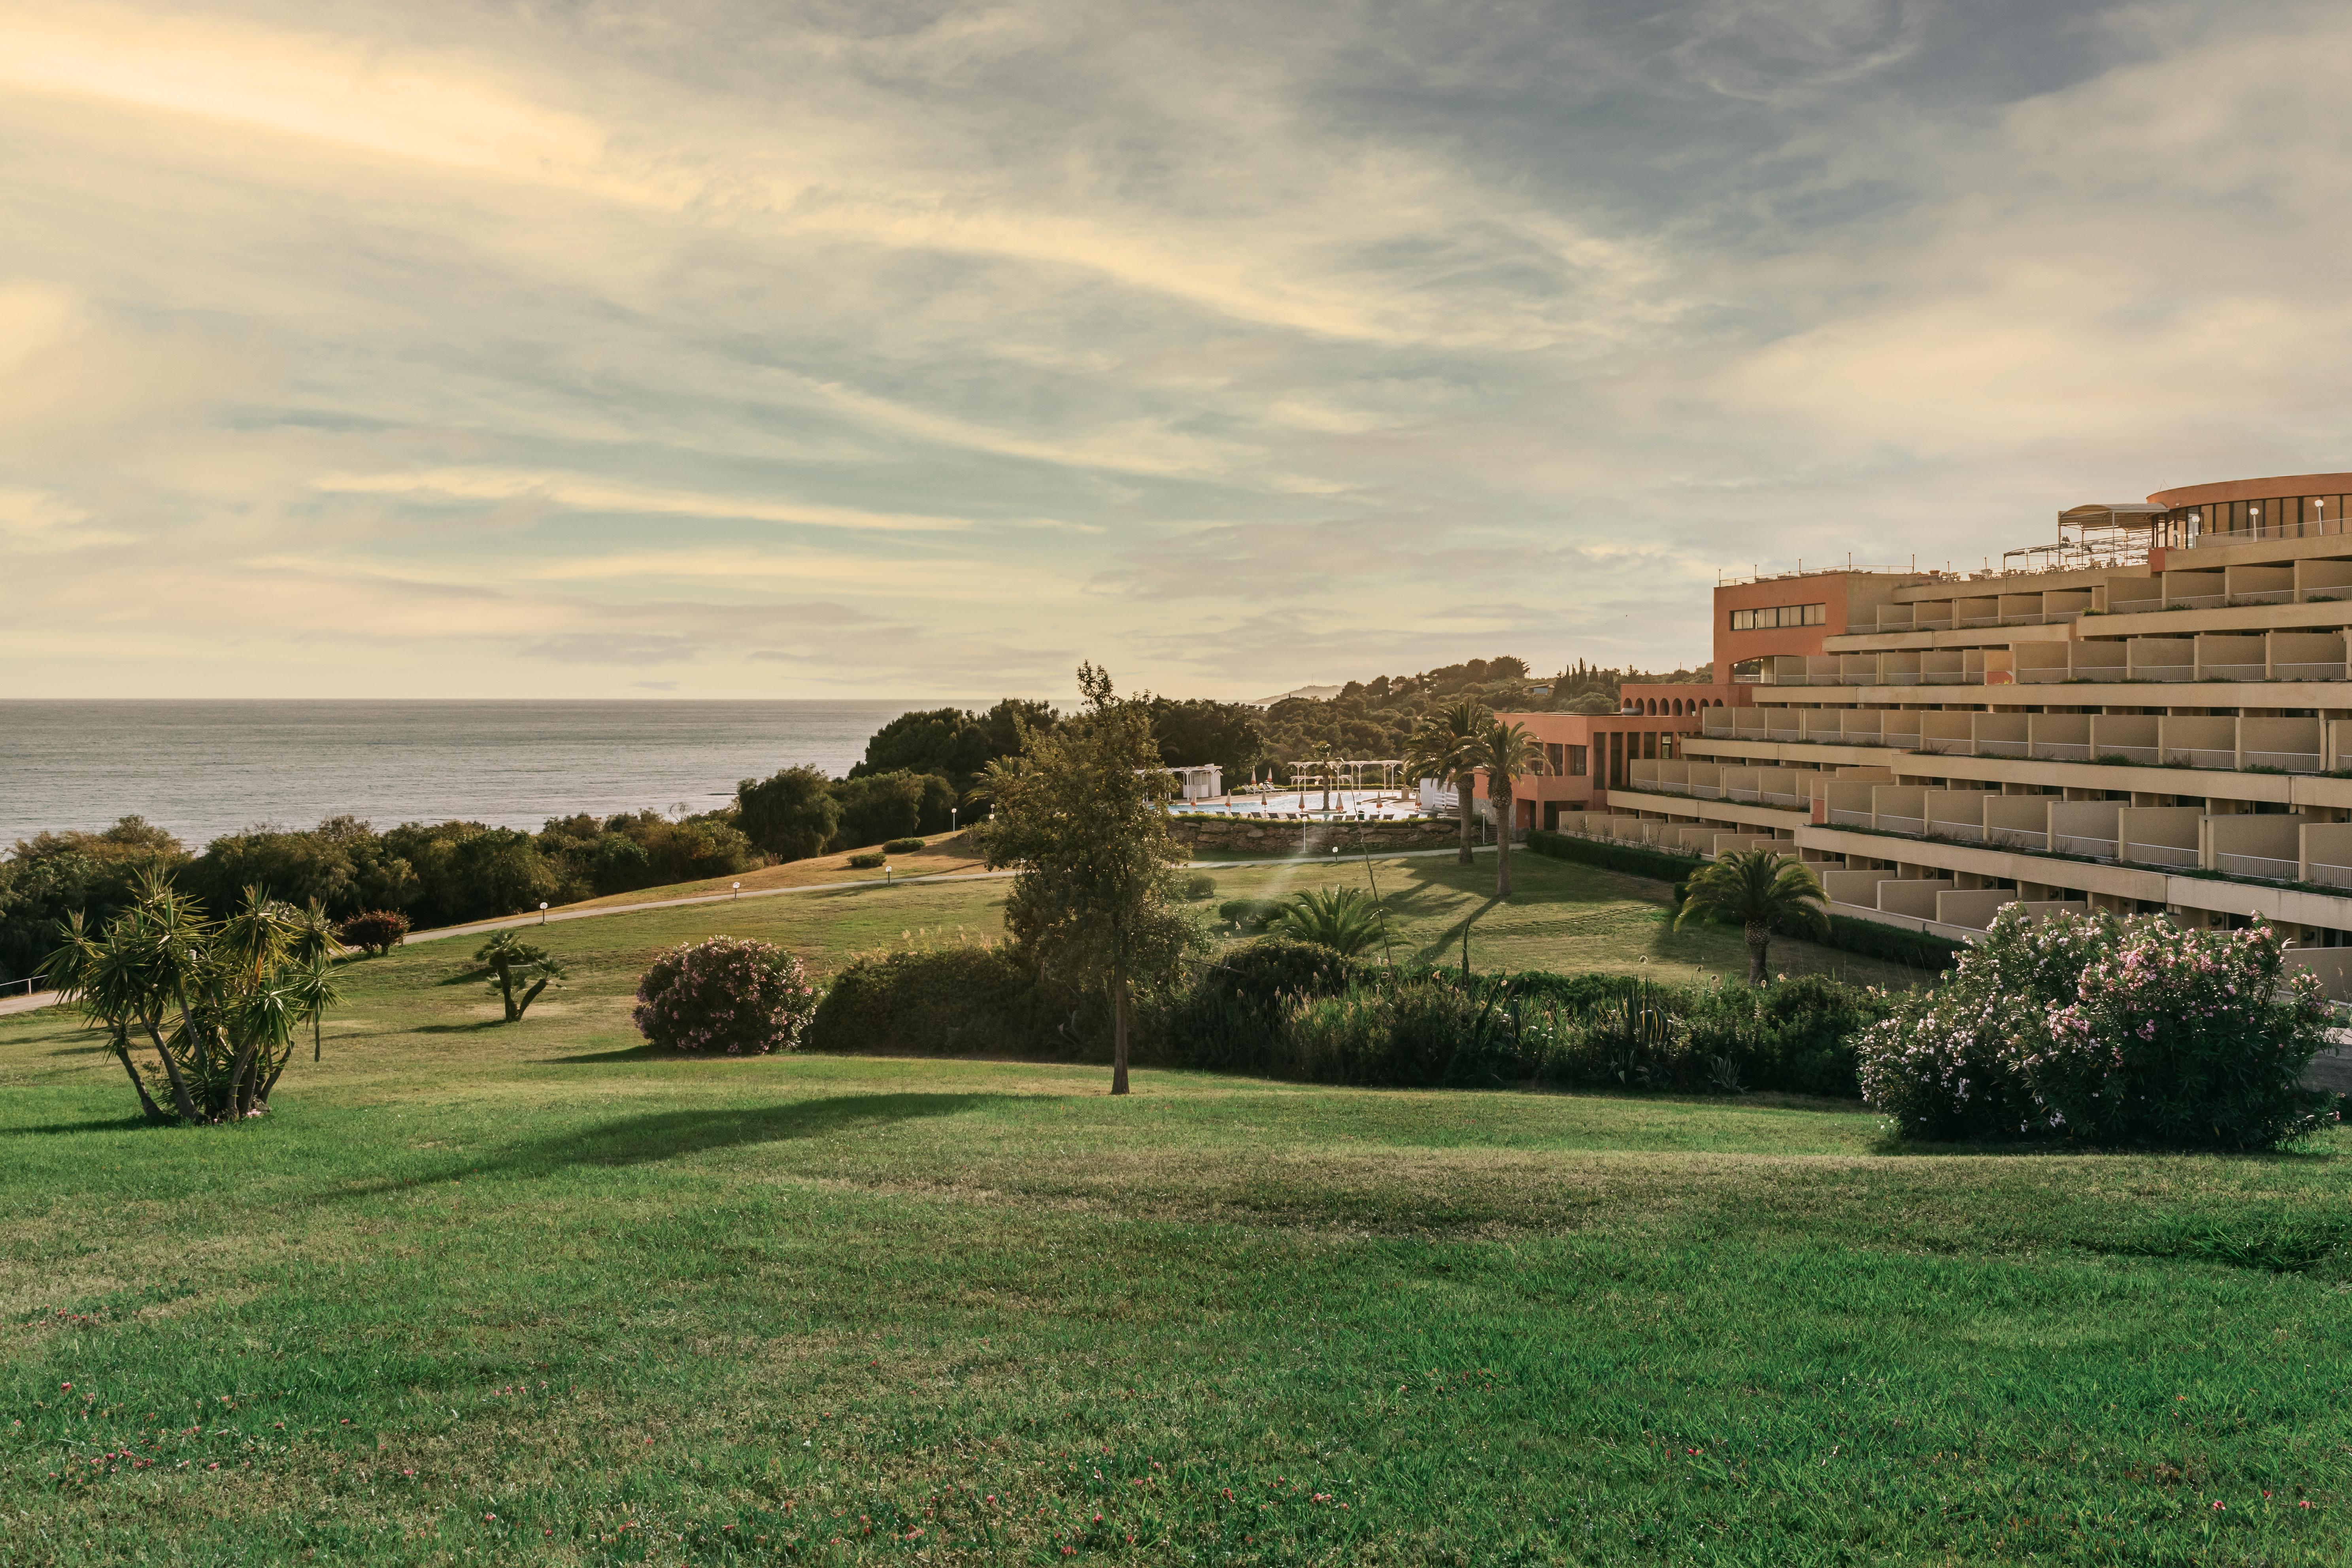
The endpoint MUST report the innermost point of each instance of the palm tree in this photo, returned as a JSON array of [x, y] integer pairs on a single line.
[[1324, 756], [1505, 753], [1760, 890], [507, 958], [1439, 750], [313, 950], [1345, 920]]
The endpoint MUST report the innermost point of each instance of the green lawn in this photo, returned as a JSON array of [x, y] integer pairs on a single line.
[[476, 1293]]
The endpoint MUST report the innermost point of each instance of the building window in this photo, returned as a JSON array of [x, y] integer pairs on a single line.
[[1556, 755], [1576, 763], [1779, 616]]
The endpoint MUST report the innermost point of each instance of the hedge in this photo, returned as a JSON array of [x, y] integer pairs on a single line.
[[1634, 859]]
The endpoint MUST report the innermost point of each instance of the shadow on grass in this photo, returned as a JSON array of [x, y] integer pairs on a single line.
[[131, 1124], [669, 1135], [475, 1027], [643, 1051]]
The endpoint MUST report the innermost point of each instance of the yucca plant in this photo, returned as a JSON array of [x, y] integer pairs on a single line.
[[217, 1001], [1345, 920], [508, 961]]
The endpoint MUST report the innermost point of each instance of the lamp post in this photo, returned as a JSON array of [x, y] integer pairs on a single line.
[[739, 890], [542, 911]]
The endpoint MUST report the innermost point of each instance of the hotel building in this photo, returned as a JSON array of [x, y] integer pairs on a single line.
[[2152, 714]]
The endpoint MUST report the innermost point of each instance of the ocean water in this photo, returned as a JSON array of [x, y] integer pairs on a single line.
[[202, 769]]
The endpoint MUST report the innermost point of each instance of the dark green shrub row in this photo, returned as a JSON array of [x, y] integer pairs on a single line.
[[1286, 1009], [903, 845], [1870, 940], [870, 861], [1634, 859]]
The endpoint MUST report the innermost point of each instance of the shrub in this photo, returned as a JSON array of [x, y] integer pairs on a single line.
[[725, 994], [961, 1001], [872, 860], [1416, 1031], [1634, 859], [1249, 914], [902, 845], [2107, 1032], [1345, 920], [1195, 885], [376, 931]]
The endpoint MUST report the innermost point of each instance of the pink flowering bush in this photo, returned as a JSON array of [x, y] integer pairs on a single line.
[[2108, 1032], [741, 998]]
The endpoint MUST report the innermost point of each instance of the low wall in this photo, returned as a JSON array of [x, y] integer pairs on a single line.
[[1272, 838]]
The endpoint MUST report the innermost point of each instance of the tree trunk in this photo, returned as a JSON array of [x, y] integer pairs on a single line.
[[1461, 804], [530, 996], [506, 992], [276, 1072], [1506, 819], [1118, 1010], [146, 1100], [170, 1070], [314, 1040], [1759, 947]]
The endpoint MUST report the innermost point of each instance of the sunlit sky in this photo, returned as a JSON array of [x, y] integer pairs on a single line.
[[722, 349]]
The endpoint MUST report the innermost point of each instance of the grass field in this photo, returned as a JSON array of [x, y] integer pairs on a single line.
[[477, 1293], [1562, 916]]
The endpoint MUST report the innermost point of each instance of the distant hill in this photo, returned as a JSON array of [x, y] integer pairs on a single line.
[[1312, 693]]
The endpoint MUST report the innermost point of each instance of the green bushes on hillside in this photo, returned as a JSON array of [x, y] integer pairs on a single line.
[[1289, 1009]]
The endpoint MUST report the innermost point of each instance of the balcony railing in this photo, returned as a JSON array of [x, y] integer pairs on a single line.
[[2001, 748], [2314, 672], [2163, 672], [2145, 756], [2059, 751], [2329, 876], [2286, 762], [2134, 606], [2262, 868], [2232, 671], [2081, 844], [1958, 832], [2159, 854], [1841, 818], [2267, 596], [1947, 745], [2196, 601], [2200, 757], [2016, 838], [1910, 827]]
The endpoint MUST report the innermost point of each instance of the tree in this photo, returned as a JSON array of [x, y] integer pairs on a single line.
[[1347, 921], [956, 744], [216, 1000], [791, 815], [1504, 752], [1444, 749], [1762, 891], [508, 958], [375, 932], [313, 947], [1195, 732], [879, 808], [1082, 814]]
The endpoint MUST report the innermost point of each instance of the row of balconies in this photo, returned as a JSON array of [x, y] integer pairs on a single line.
[[1937, 899], [2208, 656], [2148, 740], [1706, 840], [2274, 847], [2203, 588]]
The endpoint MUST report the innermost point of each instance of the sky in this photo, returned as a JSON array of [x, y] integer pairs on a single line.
[[715, 347]]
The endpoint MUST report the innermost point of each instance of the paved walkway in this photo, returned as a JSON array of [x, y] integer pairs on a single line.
[[45, 998]]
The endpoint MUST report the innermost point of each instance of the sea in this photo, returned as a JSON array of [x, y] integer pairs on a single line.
[[205, 768]]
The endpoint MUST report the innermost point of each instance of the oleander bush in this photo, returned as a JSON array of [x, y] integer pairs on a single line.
[[1194, 887], [725, 995], [870, 861], [2107, 1032], [953, 1002], [902, 845], [377, 931]]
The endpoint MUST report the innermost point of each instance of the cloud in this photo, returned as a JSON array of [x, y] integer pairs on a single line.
[[810, 349]]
